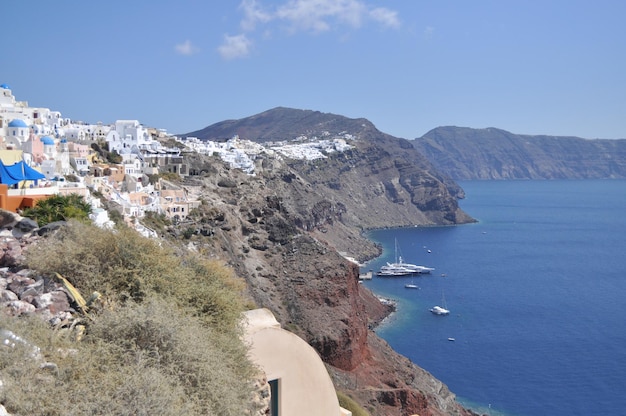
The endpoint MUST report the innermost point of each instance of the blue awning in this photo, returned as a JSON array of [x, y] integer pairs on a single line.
[[18, 172]]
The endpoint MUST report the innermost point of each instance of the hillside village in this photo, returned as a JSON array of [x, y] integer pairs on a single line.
[[43, 153], [132, 168], [64, 152]]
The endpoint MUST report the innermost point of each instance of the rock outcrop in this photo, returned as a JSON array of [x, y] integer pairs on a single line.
[[22, 292], [465, 153]]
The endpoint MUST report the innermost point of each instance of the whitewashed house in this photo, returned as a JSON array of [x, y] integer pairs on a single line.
[[128, 136], [17, 132]]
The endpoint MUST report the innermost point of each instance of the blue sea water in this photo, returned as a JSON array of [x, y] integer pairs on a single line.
[[537, 294]]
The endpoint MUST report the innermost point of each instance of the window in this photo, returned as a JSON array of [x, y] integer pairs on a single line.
[[274, 403]]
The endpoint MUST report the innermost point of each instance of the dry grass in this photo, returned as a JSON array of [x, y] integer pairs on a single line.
[[168, 343], [123, 266]]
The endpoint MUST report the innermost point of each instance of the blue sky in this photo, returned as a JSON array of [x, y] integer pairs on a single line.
[[530, 67]]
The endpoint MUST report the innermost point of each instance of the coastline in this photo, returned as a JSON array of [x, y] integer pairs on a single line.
[[390, 307]]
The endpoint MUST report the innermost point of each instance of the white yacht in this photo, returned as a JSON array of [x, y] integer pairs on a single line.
[[400, 268], [397, 269]]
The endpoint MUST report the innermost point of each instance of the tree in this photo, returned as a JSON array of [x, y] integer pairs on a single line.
[[114, 157], [59, 208]]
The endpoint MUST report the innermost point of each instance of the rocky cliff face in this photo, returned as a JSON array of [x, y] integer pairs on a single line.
[[464, 153], [382, 180], [283, 229], [289, 257]]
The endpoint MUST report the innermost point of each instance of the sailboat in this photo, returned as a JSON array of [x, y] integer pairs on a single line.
[[440, 310], [411, 285]]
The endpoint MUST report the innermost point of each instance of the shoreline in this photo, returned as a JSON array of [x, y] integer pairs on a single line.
[[391, 307]]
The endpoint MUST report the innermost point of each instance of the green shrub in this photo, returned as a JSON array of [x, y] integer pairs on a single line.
[[156, 221], [72, 178], [348, 403], [171, 176], [114, 157], [59, 208]]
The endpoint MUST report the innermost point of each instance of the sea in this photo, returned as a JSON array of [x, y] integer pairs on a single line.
[[537, 296]]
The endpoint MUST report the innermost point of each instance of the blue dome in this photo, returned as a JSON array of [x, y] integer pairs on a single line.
[[47, 140], [5, 87], [17, 123]]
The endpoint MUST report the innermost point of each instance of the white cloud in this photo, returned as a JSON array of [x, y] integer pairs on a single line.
[[237, 46], [186, 48], [312, 16], [385, 16], [253, 14], [320, 15]]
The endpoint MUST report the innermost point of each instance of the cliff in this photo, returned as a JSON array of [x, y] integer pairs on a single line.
[[465, 153], [283, 229]]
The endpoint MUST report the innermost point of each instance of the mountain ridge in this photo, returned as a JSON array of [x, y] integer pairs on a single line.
[[279, 124], [466, 153]]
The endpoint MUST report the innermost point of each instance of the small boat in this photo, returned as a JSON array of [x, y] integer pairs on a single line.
[[366, 276], [411, 285], [451, 339], [440, 310]]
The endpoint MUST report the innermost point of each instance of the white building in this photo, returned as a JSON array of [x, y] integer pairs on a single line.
[[10, 110], [132, 165], [18, 133], [128, 136], [299, 382], [42, 120]]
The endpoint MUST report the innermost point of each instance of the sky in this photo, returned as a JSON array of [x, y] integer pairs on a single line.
[[554, 67]]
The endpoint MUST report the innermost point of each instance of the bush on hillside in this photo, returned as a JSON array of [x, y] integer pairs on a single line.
[[156, 221], [114, 157], [122, 265], [348, 403], [168, 176], [140, 359], [167, 342], [59, 208]]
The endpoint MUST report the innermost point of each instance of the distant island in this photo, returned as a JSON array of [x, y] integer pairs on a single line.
[[466, 153]]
